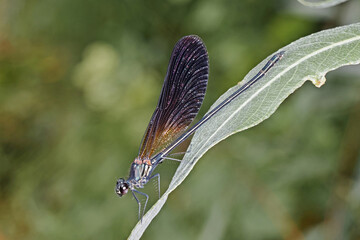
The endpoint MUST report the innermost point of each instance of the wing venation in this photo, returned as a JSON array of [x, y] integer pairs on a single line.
[[181, 96]]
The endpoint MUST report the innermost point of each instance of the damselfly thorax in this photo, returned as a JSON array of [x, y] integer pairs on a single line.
[[140, 171]]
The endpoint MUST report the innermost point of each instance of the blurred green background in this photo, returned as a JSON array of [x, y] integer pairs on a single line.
[[79, 81]]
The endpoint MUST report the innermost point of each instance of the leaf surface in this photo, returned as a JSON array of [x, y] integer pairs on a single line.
[[321, 3], [308, 58]]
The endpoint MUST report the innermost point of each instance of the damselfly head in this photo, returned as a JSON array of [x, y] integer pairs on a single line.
[[122, 187]]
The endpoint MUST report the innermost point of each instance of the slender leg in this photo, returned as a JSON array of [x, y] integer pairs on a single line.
[[178, 153], [137, 200], [173, 159], [158, 180]]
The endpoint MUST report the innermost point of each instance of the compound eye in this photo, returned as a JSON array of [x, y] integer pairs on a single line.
[[121, 187], [124, 191]]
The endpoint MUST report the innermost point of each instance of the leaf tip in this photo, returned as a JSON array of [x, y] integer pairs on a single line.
[[318, 81]]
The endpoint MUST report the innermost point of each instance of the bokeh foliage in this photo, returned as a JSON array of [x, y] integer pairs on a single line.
[[79, 81]]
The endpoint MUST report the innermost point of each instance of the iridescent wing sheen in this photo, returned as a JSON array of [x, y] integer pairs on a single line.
[[181, 96]]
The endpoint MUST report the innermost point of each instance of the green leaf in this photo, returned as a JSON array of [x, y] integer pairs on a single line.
[[321, 3], [308, 58]]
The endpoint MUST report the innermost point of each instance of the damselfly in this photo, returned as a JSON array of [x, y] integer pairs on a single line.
[[181, 97]]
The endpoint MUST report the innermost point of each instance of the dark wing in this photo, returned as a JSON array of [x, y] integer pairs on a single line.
[[181, 95]]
